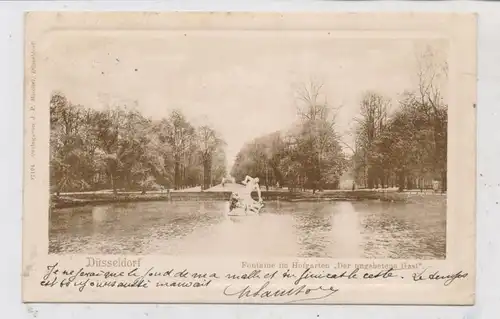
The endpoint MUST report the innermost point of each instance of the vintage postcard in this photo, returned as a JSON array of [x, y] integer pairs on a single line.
[[323, 158]]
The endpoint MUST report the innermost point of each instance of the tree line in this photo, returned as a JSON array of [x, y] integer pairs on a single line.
[[308, 155], [403, 146], [119, 148], [401, 143]]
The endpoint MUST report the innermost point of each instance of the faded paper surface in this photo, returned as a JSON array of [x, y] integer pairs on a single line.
[[140, 127]]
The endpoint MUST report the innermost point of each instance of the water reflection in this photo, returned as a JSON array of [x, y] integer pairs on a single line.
[[313, 227], [346, 240], [397, 230], [366, 229]]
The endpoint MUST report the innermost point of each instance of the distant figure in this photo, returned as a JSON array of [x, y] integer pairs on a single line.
[[353, 185], [223, 181], [278, 184], [251, 184]]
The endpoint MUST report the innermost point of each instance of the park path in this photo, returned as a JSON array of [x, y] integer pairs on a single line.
[[216, 188], [230, 187]]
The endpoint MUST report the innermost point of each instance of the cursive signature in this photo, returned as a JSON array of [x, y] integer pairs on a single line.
[[313, 293], [447, 278]]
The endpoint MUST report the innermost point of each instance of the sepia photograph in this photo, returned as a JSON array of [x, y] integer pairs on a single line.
[[249, 158], [247, 143]]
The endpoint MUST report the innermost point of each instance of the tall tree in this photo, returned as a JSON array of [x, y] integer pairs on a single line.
[[371, 123], [180, 135], [318, 140], [432, 75], [69, 162], [209, 143]]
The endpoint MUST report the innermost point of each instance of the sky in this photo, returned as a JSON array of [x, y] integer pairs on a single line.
[[242, 83]]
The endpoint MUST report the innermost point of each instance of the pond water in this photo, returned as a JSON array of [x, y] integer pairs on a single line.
[[364, 229]]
